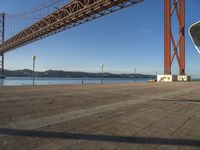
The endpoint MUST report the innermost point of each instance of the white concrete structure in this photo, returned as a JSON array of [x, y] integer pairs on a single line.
[[167, 78], [172, 78], [184, 78], [194, 32]]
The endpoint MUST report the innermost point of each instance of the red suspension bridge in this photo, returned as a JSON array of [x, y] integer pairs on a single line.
[[56, 16]]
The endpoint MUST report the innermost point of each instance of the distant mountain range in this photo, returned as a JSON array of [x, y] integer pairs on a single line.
[[71, 74]]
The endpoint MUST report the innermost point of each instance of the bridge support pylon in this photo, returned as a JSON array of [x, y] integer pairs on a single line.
[[174, 48], [2, 35]]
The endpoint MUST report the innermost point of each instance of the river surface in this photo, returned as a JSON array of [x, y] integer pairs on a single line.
[[17, 81]]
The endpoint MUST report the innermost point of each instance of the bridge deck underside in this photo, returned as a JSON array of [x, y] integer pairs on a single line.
[[70, 15]]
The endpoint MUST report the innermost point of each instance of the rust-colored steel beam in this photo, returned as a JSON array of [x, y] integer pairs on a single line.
[[182, 42], [72, 14], [177, 7], [167, 39]]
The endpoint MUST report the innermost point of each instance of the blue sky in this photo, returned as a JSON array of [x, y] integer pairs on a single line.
[[132, 37]]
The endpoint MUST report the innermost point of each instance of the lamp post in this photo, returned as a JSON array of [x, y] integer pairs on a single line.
[[102, 65], [33, 73], [135, 74]]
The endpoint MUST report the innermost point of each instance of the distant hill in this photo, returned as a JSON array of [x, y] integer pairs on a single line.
[[70, 74]]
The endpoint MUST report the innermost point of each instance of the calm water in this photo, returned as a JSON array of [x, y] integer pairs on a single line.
[[16, 81]]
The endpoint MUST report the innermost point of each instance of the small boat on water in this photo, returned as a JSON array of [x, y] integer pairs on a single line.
[[152, 81]]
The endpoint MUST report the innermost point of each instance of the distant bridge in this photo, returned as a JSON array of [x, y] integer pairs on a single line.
[[80, 11]]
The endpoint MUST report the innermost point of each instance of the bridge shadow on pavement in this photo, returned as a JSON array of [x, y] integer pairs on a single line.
[[93, 137], [185, 100]]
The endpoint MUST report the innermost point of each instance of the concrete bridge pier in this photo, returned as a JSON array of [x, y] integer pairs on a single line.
[[174, 49]]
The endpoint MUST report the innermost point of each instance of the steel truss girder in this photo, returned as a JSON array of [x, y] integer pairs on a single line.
[[178, 7], [72, 14]]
